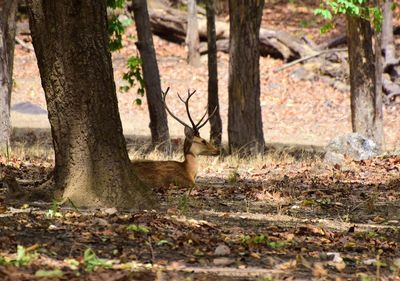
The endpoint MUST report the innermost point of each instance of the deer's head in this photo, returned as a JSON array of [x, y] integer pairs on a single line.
[[194, 144]]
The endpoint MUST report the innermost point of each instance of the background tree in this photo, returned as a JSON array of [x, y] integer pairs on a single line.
[[8, 9], [192, 35], [245, 130], [151, 75], [365, 63], [365, 80], [387, 38], [213, 102], [92, 167]]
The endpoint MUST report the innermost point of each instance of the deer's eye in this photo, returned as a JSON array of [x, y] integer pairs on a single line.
[[203, 142]]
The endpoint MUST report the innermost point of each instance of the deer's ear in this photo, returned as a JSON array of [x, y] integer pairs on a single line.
[[189, 133]]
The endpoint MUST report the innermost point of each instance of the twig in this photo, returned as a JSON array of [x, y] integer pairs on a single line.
[[308, 57], [153, 258], [23, 44]]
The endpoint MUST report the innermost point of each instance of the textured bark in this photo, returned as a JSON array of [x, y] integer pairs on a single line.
[[365, 80], [222, 6], [387, 33], [92, 167], [213, 102], [192, 35], [8, 10], [158, 117], [245, 130]]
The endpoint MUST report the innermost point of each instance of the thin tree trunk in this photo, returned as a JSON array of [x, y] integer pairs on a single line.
[[158, 116], [192, 35], [387, 28], [8, 9], [213, 102], [92, 167], [365, 81], [245, 130]]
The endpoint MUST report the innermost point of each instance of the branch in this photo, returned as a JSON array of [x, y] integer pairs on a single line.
[[307, 58], [23, 44]]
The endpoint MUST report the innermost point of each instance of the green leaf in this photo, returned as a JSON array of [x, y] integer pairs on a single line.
[[115, 3], [91, 261], [49, 273], [162, 242], [137, 228]]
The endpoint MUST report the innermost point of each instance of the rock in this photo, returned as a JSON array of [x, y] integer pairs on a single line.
[[111, 211], [223, 261], [352, 145], [333, 158], [222, 250], [28, 108], [101, 222]]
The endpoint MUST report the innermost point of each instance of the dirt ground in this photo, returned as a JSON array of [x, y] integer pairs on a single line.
[[275, 217]]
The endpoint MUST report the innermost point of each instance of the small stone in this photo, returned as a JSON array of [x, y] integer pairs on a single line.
[[101, 222], [111, 211], [223, 261], [222, 250]]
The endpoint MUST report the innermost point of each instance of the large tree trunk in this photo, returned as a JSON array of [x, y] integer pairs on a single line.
[[158, 116], [213, 102], [365, 77], [192, 35], [92, 167], [245, 130], [8, 10]]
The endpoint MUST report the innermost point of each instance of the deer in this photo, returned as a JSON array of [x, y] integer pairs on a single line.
[[182, 174]]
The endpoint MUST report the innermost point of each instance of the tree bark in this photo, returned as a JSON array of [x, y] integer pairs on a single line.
[[8, 9], [387, 41], [192, 35], [213, 102], [158, 117], [92, 167], [245, 130], [365, 80], [222, 6]]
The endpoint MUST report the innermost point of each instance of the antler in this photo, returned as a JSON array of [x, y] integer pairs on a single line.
[[186, 102], [164, 94], [195, 127], [198, 126]]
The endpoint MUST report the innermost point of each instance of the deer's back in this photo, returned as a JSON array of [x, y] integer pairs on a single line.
[[162, 173]]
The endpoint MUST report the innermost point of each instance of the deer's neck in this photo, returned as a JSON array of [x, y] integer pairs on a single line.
[[190, 164]]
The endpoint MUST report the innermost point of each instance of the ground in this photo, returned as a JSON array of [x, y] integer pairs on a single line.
[[281, 216]]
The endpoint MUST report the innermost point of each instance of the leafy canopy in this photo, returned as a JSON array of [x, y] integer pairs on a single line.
[[356, 8]]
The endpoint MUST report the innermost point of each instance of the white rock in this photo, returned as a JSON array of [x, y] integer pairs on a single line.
[[222, 250]]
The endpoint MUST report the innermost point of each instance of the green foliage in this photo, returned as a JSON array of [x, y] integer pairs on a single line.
[[115, 3], [116, 25], [137, 228], [22, 258], [134, 76], [116, 28], [91, 261], [54, 212], [72, 263], [49, 273], [357, 8]]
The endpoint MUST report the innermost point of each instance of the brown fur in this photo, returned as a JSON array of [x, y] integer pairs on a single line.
[[165, 173]]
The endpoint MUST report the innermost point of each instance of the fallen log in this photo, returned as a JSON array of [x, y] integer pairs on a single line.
[[171, 24]]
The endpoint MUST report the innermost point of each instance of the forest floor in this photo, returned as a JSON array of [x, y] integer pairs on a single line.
[[282, 216]]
